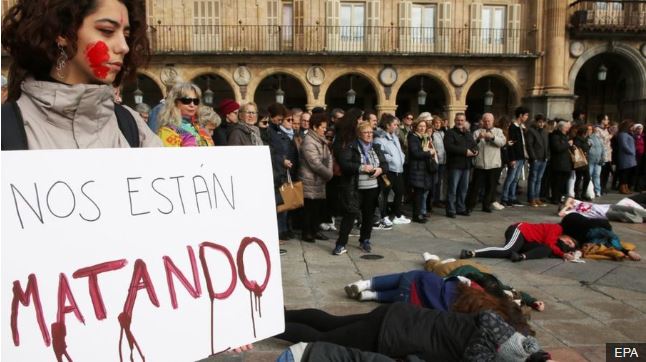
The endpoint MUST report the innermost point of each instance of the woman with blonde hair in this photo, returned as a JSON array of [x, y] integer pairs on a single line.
[[178, 121], [421, 156], [362, 163]]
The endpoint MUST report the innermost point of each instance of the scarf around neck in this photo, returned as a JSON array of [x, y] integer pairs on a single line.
[[288, 132]]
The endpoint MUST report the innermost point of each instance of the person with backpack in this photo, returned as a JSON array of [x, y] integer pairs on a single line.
[[61, 86]]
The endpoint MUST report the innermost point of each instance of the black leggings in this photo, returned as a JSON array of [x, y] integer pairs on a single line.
[[515, 242], [359, 331]]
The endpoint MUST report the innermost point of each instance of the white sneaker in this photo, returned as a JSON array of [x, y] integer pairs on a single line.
[[401, 220], [387, 221], [332, 227], [324, 226], [428, 256], [497, 206]]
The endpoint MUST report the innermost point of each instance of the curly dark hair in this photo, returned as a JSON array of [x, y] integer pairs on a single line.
[[30, 29]]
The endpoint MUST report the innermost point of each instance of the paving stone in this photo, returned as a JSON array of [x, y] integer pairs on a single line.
[[607, 310], [566, 354], [630, 278], [583, 332]]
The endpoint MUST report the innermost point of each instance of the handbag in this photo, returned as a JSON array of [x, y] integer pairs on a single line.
[[385, 181], [292, 195], [431, 164], [578, 157]]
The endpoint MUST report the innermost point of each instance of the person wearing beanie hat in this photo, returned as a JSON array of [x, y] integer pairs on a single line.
[[400, 330], [228, 111]]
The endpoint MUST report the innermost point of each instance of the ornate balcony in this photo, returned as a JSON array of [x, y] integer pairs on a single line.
[[270, 39], [616, 17]]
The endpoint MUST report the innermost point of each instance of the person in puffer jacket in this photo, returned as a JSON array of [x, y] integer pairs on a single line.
[[399, 330]]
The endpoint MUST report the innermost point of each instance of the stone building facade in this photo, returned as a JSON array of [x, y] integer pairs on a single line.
[[545, 54]]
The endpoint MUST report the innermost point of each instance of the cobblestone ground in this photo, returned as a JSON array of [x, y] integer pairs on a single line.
[[587, 304]]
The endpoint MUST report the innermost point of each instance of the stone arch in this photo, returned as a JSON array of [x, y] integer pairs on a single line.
[[261, 75], [155, 78], [509, 81], [152, 92], [370, 77], [368, 102], [293, 97], [436, 80], [628, 52], [220, 73], [434, 75]]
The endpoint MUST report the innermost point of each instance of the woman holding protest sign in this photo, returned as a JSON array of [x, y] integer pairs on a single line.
[[66, 58]]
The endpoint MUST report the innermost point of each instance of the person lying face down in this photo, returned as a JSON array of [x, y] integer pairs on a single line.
[[529, 241], [429, 290], [482, 276], [402, 330]]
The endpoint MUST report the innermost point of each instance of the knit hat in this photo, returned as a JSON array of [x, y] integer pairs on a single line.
[[517, 348], [512, 346], [227, 106]]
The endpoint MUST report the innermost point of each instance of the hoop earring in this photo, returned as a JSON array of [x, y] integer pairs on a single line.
[[60, 62]]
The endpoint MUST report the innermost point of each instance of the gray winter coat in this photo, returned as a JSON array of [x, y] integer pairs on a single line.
[[392, 150], [438, 143], [316, 166], [489, 151]]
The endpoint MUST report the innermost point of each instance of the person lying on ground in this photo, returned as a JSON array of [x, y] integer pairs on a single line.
[[480, 274], [400, 329], [596, 231], [428, 290], [626, 210], [529, 241]]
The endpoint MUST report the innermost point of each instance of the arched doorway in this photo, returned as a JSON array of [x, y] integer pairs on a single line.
[[151, 92], [294, 93], [503, 98], [408, 96], [337, 97], [220, 88], [611, 90]]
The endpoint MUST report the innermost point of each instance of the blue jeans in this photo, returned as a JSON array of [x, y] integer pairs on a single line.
[[422, 207], [511, 181], [458, 186], [536, 171], [595, 175], [394, 287], [438, 178]]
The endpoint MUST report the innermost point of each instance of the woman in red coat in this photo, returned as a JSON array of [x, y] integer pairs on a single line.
[[529, 241]]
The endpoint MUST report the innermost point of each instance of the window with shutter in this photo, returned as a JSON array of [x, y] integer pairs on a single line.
[[352, 25], [423, 23], [475, 28], [513, 29], [445, 33], [373, 30], [404, 10], [206, 20], [299, 24], [332, 9], [287, 26], [273, 35]]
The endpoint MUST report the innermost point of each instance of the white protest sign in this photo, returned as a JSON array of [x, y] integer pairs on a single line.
[[167, 254]]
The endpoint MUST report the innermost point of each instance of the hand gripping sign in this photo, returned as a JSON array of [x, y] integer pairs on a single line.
[[148, 254]]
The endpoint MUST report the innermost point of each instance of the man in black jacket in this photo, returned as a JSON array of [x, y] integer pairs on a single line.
[[460, 149], [560, 160], [538, 149], [517, 154]]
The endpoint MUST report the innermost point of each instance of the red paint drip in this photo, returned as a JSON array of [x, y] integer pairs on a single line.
[[251, 285], [97, 55], [59, 331]]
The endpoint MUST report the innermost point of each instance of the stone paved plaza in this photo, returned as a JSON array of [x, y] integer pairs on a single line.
[[587, 304]]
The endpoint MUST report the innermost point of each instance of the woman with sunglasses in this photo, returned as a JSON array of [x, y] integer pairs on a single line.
[[178, 121], [66, 57]]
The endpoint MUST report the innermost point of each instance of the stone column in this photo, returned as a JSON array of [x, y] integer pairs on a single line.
[[555, 46], [556, 99], [386, 108], [454, 109]]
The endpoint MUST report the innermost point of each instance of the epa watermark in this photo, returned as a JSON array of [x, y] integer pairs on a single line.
[[626, 352]]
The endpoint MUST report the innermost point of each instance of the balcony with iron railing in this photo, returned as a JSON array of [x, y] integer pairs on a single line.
[[271, 39], [589, 17]]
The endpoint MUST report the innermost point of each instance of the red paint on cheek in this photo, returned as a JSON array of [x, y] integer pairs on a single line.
[[97, 55]]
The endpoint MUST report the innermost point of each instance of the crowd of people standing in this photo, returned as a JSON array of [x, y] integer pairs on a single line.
[[361, 168]]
